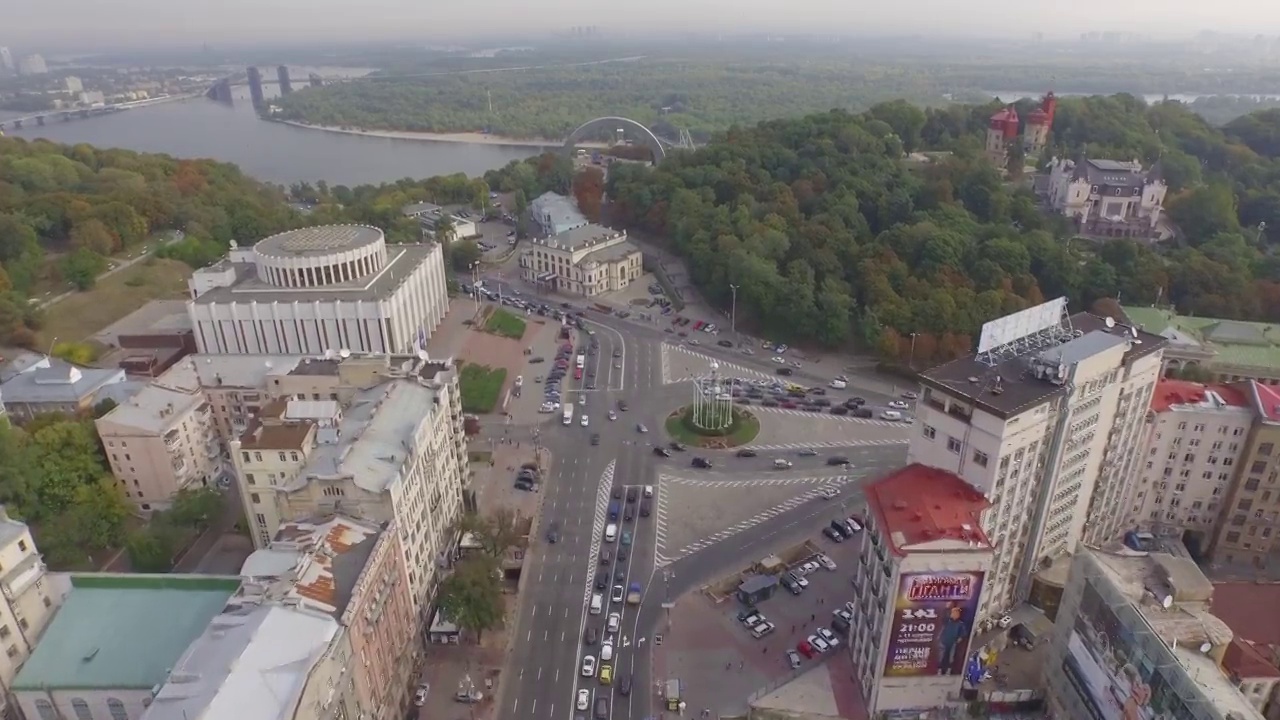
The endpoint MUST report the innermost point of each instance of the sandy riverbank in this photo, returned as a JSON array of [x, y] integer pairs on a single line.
[[473, 138]]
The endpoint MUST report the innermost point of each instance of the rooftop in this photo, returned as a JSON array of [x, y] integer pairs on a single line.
[[277, 436], [611, 253], [1233, 342], [560, 209], [920, 505], [1265, 400], [375, 436], [123, 631], [240, 371], [317, 367], [247, 287], [315, 563], [251, 663], [1244, 660], [318, 241], [1145, 579], [418, 208], [155, 408], [1238, 604], [580, 238], [1185, 395], [1008, 388], [52, 380], [10, 530]]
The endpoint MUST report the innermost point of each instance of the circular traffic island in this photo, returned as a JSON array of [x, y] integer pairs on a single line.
[[714, 427]]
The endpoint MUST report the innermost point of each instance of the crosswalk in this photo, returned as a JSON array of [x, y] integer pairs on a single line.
[[727, 369], [663, 558], [828, 416], [755, 482], [660, 526], [597, 530], [829, 445]]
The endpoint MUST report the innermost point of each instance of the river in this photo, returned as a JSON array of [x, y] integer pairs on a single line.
[[201, 128]]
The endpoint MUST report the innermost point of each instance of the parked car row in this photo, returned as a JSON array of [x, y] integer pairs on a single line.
[[842, 529]]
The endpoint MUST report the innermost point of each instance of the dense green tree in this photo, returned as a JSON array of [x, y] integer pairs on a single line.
[[195, 508], [471, 595], [81, 267]]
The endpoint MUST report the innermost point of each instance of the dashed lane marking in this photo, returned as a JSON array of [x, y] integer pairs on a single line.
[[829, 416], [828, 445], [763, 481], [726, 368]]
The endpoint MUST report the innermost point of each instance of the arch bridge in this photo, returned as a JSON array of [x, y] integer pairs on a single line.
[[613, 123]]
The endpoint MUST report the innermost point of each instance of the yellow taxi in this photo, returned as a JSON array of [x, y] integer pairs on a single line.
[[606, 675]]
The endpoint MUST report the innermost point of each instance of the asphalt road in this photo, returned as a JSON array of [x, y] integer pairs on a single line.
[[548, 633]]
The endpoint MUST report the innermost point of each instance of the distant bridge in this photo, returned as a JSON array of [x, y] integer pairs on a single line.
[[628, 128], [41, 118]]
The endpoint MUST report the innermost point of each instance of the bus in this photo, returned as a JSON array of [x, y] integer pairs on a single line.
[[568, 413]]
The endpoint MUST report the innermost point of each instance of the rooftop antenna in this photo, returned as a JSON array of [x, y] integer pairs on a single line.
[[1111, 322]]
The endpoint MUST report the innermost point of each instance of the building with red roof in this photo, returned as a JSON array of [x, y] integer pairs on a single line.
[[917, 587], [1005, 127], [1249, 527]]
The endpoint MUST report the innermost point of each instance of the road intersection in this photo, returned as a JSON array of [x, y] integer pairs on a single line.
[[634, 364]]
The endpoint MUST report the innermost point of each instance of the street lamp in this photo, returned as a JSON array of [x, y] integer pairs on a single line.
[[475, 279], [733, 310], [911, 359]]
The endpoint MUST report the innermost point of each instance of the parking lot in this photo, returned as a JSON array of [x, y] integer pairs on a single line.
[[719, 660]]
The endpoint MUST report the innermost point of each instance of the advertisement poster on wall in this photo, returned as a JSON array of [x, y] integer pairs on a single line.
[[933, 619], [1114, 676]]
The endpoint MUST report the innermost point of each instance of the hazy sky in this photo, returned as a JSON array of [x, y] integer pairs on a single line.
[[29, 25]]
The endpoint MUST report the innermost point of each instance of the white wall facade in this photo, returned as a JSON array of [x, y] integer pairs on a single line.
[[114, 704]]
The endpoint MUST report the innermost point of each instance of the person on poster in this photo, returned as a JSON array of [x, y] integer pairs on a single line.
[[955, 629]]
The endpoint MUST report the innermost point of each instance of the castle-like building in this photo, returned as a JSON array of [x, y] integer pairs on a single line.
[[1109, 198], [1004, 132]]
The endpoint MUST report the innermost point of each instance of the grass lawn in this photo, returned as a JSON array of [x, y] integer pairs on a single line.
[[744, 429], [85, 313], [480, 386], [501, 322]]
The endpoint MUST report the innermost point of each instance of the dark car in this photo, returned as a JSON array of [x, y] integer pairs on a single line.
[[645, 508], [830, 533], [840, 625], [602, 709], [602, 579], [553, 533], [840, 528], [624, 685], [622, 405], [679, 447], [595, 438], [837, 460], [590, 636], [862, 412], [746, 612], [839, 410], [783, 371], [632, 495], [662, 452], [629, 514], [617, 493], [606, 556], [703, 463], [620, 575], [854, 402], [746, 453], [622, 553], [790, 584]]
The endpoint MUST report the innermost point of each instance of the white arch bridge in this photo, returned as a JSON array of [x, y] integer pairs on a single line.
[[631, 128]]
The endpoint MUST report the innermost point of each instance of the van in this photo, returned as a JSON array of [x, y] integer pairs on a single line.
[[891, 415], [613, 510], [597, 603], [610, 532]]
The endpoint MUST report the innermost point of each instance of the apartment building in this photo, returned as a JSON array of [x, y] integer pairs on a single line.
[[162, 439], [1045, 420], [1195, 437], [394, 451], [29, 597], [1250, 520], [1135, 638], [354, 572], [917, 587]]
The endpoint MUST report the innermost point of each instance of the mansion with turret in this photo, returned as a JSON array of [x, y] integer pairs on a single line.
[[1005, 131]]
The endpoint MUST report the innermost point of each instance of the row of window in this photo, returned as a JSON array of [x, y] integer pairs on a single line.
[[81, 709]]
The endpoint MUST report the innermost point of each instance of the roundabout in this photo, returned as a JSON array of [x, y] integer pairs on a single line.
[[712, 428]]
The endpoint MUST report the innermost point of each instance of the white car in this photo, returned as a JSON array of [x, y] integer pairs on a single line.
[[584, 421], [619, 592], [640, 428], [778, 360], [843, 614], [897, 405], [800, 579], [818, 643], [589, 666], [613, 415], [584, 699], [614, 622], [827, 562], [420, 695], [809, 567], [829, 637], [853, 524]]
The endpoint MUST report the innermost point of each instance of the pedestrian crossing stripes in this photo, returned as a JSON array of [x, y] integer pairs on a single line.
[[827, 416], [750, 522], [660, 527], [828, 445], [753, 482], [597, 531], [727, 369]]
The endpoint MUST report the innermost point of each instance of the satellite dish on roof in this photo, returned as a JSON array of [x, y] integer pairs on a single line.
[[422, 354], [1166, 602], [268, 364], [1111, 322], [344, 353], [1206, 647]]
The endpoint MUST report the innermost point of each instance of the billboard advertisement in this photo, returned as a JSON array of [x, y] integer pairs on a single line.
[[1113, 674], [933, 619]]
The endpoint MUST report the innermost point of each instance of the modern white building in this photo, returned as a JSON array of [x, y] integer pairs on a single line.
[[1046, 422], [1195, 440], [318, 289], [917, 587]]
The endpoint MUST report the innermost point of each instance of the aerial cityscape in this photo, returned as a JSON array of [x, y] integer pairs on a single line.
[[618, 365]]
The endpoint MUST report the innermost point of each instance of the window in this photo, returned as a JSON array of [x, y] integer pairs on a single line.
[[281, 456], [930, 432], [117, 709], [980, 458], [257, 457], [81, 709], [953, 445], [1258, 467], [293, 456], [244, 456], [253, 498], [1233, 537], [5, 632], [45, 708], [22, 545], [248, 477], [1265, 449]]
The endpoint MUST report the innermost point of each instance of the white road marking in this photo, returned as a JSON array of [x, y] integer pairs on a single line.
[[758, 482], [829, 445]]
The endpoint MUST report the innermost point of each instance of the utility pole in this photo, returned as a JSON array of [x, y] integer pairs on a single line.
[[911, 360], [733, 311], [475, 279]]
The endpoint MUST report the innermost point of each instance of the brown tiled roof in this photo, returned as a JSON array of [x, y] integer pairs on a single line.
[[283, 436], [1244, 661], [1243, 606]]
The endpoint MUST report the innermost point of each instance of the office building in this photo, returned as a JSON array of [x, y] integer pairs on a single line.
[[255, 87], [1249, 524], [1135, 638], [353, 572], [1046, 421], [1195, 438], [320, 289], [29, 597], [395, 451], [46, 384], [917, 589], [589, 260], [32, 65], [1226, 350], [282, 76], [554, 213], [162, 439], [72, 84]]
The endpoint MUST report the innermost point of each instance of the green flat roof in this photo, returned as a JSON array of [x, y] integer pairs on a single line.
[[1240, 343], [123, 631]]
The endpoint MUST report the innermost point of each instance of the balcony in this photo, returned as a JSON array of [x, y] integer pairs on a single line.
[[15, 582]]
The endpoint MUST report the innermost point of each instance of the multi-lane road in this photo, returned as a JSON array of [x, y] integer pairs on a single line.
[[544, 673]]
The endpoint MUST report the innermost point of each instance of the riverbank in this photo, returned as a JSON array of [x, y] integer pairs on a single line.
[[472, 138]]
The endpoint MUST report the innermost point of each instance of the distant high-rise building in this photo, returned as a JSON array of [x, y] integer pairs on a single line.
[[282, 75], [315, 80], [255, 87], [73, 84], [7, 66], [32, 65]]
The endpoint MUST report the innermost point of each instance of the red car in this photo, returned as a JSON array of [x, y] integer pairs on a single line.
[[698, 325], [567, 347], [805, 649], [577, 373]]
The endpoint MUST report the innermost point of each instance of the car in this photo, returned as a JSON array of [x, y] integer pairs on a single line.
[[606, 670], [662, 452], [617, 493], [841, 625], [746, 453], [832, 534], [808, 452], [829, 637], [804, 648], [798, 579], [622, 554], [809, 567], [622, 405], [619, 592], [784, 371], [629, 514], [595, 438], [602, 709], [624, 685], [620, 575], [702, 463], [553, 533], [828, 493], [781, 463], [584, 699], [746, 612], [646, 508], [640, 428], [725, 343], [826, 562], [843, 614], [678, 447], [777, 360], [605, 556], [602, 579], [648, 491], [837, 460], [589, 666], [790, 584], [897, 405], [752, 619], [818, 643], [420, 695], [617, 353], [910, 395], [762, 629], [617, 366], [633, 494], [584, 421], [613, 415], [793, 659], [614, 622]]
